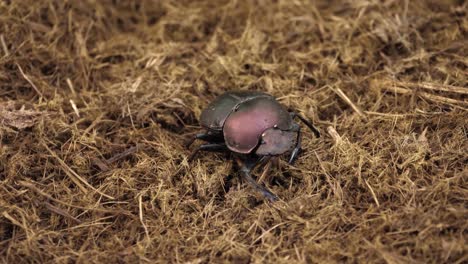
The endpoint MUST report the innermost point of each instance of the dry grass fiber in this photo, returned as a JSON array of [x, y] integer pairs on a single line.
[[97, 98]]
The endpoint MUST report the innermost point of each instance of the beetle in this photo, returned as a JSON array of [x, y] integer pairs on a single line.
[[254, 127]]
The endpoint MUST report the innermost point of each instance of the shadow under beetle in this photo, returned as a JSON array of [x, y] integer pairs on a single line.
[[254, 127]]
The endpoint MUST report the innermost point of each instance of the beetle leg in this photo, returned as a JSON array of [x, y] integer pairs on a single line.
[[307, 123], [207, 136], [245, 172], [297, 148], [215, 147], [261, 161]]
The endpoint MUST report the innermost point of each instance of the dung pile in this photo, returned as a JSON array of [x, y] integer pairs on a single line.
[[97, 99]]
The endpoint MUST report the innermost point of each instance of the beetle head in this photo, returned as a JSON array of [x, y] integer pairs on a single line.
[[275, 141]]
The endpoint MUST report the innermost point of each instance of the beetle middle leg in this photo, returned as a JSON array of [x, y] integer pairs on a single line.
[[214, 147], [206, 136]]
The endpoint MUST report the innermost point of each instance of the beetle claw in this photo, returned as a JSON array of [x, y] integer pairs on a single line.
[[270, 196]]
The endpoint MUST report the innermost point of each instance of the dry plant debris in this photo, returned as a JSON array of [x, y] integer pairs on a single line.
[[98, 97], [20, 118]]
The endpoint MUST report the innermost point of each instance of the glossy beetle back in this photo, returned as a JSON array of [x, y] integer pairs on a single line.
[[244, 127], [215, 114]]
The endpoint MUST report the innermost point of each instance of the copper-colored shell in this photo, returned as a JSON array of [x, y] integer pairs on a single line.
[[244, 127], [215, 114]]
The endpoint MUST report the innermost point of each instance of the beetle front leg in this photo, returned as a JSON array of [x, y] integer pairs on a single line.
[[297, 148], [306, 122], [245, 173]]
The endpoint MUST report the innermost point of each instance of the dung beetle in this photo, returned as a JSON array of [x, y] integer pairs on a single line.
[[254, 127]]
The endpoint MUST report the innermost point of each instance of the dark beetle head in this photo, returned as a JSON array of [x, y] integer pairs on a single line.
[[244, 127], [276, 142]]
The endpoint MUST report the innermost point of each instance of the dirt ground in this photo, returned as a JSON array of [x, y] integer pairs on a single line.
[[98, 97]]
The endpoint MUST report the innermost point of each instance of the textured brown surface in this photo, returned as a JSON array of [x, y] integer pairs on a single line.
[[105, 93]]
